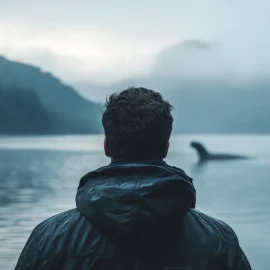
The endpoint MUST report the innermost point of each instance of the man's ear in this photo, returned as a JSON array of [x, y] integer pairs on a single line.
[[107, 149], [166, 150]]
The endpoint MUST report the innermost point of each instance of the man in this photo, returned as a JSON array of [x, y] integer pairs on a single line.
[[138, 212]]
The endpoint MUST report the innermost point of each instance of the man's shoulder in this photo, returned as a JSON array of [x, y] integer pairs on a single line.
[[57, 223], [180, 172], [62, 232], [214, 227]]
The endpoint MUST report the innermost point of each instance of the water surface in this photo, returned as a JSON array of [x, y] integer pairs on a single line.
[[39, 177]]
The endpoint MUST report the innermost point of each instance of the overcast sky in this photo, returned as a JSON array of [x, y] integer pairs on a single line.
[[104, 41]]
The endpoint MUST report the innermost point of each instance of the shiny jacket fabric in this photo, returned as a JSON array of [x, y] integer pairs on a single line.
[[133, 216]]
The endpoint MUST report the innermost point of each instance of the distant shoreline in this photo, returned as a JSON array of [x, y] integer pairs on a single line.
[[217, 134]]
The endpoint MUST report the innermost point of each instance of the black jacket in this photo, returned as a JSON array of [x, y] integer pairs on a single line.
[[133, 216]]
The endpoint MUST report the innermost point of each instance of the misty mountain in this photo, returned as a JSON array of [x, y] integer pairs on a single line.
[[228, 109], [207, 95], [22, 112], [35, 102]]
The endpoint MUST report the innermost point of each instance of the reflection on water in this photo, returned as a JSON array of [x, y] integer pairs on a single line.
[[39, 178]]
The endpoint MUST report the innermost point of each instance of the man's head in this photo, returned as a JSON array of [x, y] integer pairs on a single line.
[[137, 124]]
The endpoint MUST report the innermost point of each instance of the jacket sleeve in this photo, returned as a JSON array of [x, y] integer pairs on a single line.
[[240, 261], [29, 257], [233, 257]]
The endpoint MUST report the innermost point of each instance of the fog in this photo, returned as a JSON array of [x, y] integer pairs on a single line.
[[95, 42]]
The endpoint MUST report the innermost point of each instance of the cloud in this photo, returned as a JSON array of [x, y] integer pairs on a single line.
[[84, 42], [195, 58], [75, 54]]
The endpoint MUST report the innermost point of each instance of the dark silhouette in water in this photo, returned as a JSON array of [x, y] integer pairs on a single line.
[[204, 155]]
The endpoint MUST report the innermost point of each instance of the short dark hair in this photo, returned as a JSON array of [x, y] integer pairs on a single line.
[[137, 123]]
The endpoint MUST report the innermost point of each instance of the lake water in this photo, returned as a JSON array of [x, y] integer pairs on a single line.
[[39, 177]]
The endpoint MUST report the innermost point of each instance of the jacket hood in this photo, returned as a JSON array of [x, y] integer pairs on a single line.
[[132, 199]]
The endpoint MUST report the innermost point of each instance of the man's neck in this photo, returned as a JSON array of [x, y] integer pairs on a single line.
[[115, 161]]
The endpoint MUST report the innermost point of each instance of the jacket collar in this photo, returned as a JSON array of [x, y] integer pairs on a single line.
[[140, 161]]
